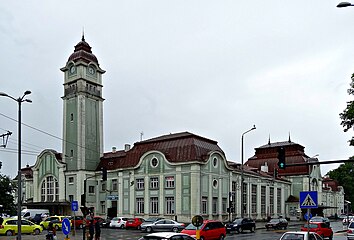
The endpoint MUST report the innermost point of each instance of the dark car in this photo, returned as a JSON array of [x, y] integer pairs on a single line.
[[277, 223], [241, 224]]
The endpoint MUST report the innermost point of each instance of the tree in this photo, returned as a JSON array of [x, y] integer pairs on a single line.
[[347, 115], [7, 189], [344, 174]]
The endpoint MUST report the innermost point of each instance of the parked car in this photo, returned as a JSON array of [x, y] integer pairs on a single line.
[[345, 220], [56, 220], [77, 221], [209, 230], [320, 228], [300, 236], [106, 222], [118, 222], [152, 219], [9, 227], [167, 236], [134, 223], [277, 223], [320, 219], [241, 224], [165, 225], [350, 231]]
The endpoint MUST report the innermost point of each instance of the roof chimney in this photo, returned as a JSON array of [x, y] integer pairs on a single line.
[[114, 149], [126, 147], [265, 167]]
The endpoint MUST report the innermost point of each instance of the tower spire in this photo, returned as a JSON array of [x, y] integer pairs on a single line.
[[289, 138], [269, 140], [83, 34]]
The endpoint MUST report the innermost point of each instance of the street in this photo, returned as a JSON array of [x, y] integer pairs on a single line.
[[123, 234]]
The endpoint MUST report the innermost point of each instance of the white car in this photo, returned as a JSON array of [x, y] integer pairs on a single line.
[[167, 236], [118, 222], [350, 231], [345, 220], [299, 235]]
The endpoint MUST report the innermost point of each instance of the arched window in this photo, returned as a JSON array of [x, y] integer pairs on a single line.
[[50, 189]]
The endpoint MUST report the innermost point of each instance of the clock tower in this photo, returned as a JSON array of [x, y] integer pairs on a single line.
[[82, 111]]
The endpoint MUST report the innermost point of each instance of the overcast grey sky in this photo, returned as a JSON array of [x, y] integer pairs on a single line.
[[213, 68]]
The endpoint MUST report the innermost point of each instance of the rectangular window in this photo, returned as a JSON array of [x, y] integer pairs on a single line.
[[234, 186], [204, 205], [114, 185], [103, 186], [154, 205], [170, 182], [271, 200], [254, 198], [71, 198], [224, 205], [154, 182], [71, 180], [140, 184], [71, 153], [139, 205], [244, 204], [263, 201], [170, 205], [103, 207], [91, 189], [279, 201], [215, 205]]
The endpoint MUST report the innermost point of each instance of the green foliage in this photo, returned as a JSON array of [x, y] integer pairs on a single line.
[[7, 188], [347, 116], [344, 174]]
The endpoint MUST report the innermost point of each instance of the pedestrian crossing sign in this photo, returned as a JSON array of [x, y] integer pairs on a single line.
[[308, 199]]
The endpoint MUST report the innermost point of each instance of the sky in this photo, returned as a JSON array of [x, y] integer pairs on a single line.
[[212, 68]]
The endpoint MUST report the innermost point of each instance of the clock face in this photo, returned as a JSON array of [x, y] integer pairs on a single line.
[[72, 69], [91, 70]]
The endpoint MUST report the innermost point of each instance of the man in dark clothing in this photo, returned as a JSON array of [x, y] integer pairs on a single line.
[[98, 230], [91, 230]]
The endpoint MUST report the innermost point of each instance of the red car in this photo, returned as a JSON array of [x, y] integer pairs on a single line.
[[78, 221], [322, 229], [209, 230], [134, 223]]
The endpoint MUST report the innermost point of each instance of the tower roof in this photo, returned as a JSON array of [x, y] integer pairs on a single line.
[[83, 52]]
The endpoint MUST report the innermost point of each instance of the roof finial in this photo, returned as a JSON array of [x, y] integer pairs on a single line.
[[83, 34], [289, 137], [269, 140]]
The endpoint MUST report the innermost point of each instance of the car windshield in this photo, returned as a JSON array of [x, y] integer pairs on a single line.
[[293, 236], [192, 227], [311, 225], [274, 221], [238, 221], [351, 225]]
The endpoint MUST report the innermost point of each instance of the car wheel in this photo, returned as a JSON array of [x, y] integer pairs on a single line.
[[149, 229], [37, 231], [222, 237], [9, 233], [122, 226], [175, 229], [252, 229]]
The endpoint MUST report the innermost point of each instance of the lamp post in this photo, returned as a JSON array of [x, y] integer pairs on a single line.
[[19, 185], [344, 4], [242, 180]]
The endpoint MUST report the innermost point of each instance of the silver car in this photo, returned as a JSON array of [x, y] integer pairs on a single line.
[[163, 225], [350, 231]]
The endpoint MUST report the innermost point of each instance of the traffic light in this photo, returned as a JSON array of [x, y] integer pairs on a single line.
[[281, 158], [83, 200], [104, 174]]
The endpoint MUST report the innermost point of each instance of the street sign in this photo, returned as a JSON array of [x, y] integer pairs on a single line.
[[306, 216], [308, 199], [112, 197], [74, 206], [66, 226]]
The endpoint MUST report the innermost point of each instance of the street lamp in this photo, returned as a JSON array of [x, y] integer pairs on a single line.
[[19, 192], [242, 180], [344, 4]]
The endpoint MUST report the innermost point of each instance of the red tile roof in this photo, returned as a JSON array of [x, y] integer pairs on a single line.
[[177, 148]]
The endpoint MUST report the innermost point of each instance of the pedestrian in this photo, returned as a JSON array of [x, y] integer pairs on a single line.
[[91, 230], [98, 229], [52, 232]]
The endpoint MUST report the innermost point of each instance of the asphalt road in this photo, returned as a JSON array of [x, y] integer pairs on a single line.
[[123, 234]]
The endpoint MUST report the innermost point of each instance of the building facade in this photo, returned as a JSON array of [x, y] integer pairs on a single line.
[[173, 176]]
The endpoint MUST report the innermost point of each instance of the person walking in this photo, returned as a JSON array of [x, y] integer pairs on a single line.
[[98, 230], [52, 232], [91, 230]]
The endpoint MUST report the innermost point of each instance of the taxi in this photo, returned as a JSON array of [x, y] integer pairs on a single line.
[[56, 220], [9, 227]]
